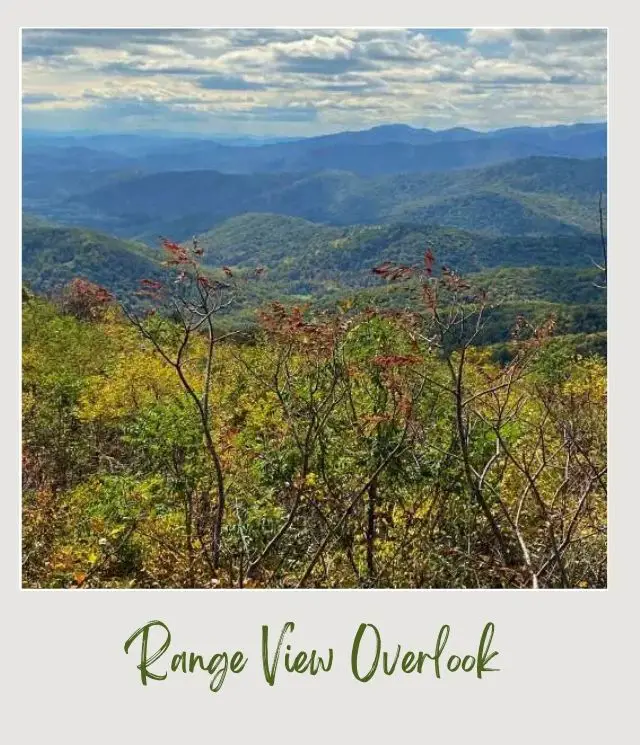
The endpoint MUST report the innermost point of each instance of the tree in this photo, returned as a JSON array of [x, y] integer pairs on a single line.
[[191, 298]]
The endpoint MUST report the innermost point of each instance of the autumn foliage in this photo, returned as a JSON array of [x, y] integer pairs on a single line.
[[84, 300], [355, 448]]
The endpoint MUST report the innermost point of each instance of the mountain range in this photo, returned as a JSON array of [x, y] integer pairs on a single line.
[[381, 150], [536, 195], [516, 209]]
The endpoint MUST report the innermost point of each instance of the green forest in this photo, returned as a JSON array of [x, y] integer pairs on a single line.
[[416, 427]]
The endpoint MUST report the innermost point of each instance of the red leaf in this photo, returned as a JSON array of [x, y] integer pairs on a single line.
[[428, 261]]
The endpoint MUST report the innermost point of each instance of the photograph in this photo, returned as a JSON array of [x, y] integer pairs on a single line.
[[314, 308]]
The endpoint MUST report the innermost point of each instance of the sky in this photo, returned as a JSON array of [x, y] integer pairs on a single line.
[[299, 82]]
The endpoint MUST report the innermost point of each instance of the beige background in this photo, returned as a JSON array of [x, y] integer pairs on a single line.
[[567, 658]]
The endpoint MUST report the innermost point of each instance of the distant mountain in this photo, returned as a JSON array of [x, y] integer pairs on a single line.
[[134, 144], [539, 195], [378, 158], [387, 149]]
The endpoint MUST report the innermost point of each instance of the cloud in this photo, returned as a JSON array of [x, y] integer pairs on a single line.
[[323, 55], [63, 42], [229, 83], [556, 37], [33, 99], [306, 81], [275, 113], [134, 69]]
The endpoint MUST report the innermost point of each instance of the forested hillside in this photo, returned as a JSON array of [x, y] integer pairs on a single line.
[[293, 245], [305, 262], [53, 255], [535, 196]]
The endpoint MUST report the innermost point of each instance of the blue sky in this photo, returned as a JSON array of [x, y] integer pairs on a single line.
[[309, 81]]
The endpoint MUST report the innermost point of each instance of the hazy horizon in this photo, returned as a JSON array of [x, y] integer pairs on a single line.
[[221, 135]]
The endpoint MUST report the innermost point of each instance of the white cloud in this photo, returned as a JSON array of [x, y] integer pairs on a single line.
[[337, 78]]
